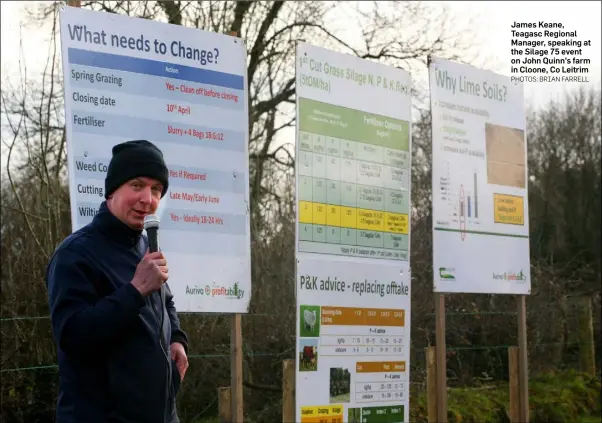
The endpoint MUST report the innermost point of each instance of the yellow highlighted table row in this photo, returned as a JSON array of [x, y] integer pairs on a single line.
[[352, 217], [322, 414]]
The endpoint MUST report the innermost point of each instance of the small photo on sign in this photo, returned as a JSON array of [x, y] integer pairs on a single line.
[[354, 415], [310, 321], [340, 385], [505, 156], [308, 355]]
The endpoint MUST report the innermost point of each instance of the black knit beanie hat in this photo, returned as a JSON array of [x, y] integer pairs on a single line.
[[132, 159]]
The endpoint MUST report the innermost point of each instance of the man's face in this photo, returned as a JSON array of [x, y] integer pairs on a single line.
[[134, 200]]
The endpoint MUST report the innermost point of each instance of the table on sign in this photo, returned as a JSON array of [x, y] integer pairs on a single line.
[[379, 381], [350, 331], [353, 192], [378, 414], [322, 414]]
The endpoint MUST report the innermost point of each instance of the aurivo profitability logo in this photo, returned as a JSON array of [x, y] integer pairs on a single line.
[[510, 276], [233, 291]]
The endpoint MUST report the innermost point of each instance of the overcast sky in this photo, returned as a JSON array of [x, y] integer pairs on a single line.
[[492, 26]]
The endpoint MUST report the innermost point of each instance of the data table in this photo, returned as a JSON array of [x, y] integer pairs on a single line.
[[362, 332], [354, 180]]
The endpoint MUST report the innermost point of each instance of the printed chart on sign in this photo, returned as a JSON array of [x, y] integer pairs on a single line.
[[364, 350], [353, 182], [351, 355], [459, 197], [194, 111]]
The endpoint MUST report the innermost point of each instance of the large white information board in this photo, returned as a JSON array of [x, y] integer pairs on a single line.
[[353, 239], [480, 181], [185, 90]]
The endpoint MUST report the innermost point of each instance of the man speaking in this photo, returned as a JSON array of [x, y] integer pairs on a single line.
[[116, 363]]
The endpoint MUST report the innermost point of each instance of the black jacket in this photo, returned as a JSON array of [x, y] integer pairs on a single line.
[[112, 365]]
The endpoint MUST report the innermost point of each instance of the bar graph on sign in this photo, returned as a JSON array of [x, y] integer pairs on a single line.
[[460, 193]]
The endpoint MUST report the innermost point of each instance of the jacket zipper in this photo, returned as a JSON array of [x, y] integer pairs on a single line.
[[161, 320], [167, 372]]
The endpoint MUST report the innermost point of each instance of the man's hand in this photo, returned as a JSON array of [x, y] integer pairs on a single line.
[[151, 273], [178, 354]]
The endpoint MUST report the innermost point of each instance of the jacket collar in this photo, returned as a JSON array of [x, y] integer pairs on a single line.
[[115, 228]]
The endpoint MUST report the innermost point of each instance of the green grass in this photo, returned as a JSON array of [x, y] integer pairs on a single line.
[[553, 398], [561, 397]]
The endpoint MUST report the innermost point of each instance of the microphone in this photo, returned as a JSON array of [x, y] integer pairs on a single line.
[[151, 225]]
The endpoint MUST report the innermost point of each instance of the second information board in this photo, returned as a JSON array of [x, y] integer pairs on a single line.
[[353, 239]]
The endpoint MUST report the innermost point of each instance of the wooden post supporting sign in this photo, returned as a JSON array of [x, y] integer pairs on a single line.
[[236, 357], [513, 382], [236, 368], [523, 369], [441, 358]]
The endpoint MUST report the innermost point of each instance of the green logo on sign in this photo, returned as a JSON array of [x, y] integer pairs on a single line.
[[447, 273]]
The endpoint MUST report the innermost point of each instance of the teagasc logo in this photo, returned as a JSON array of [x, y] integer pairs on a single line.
[[510, 276], [233, 291], [447, 273]]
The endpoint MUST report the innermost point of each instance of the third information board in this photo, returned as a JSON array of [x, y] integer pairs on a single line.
[[480, 195], [353, 239]]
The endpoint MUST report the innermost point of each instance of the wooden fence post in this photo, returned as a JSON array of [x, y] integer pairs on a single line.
[[288, 391], [431, 384], [224, 404], [513, 384]]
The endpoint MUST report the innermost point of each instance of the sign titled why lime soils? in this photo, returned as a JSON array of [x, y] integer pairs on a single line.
[[217, 291]]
